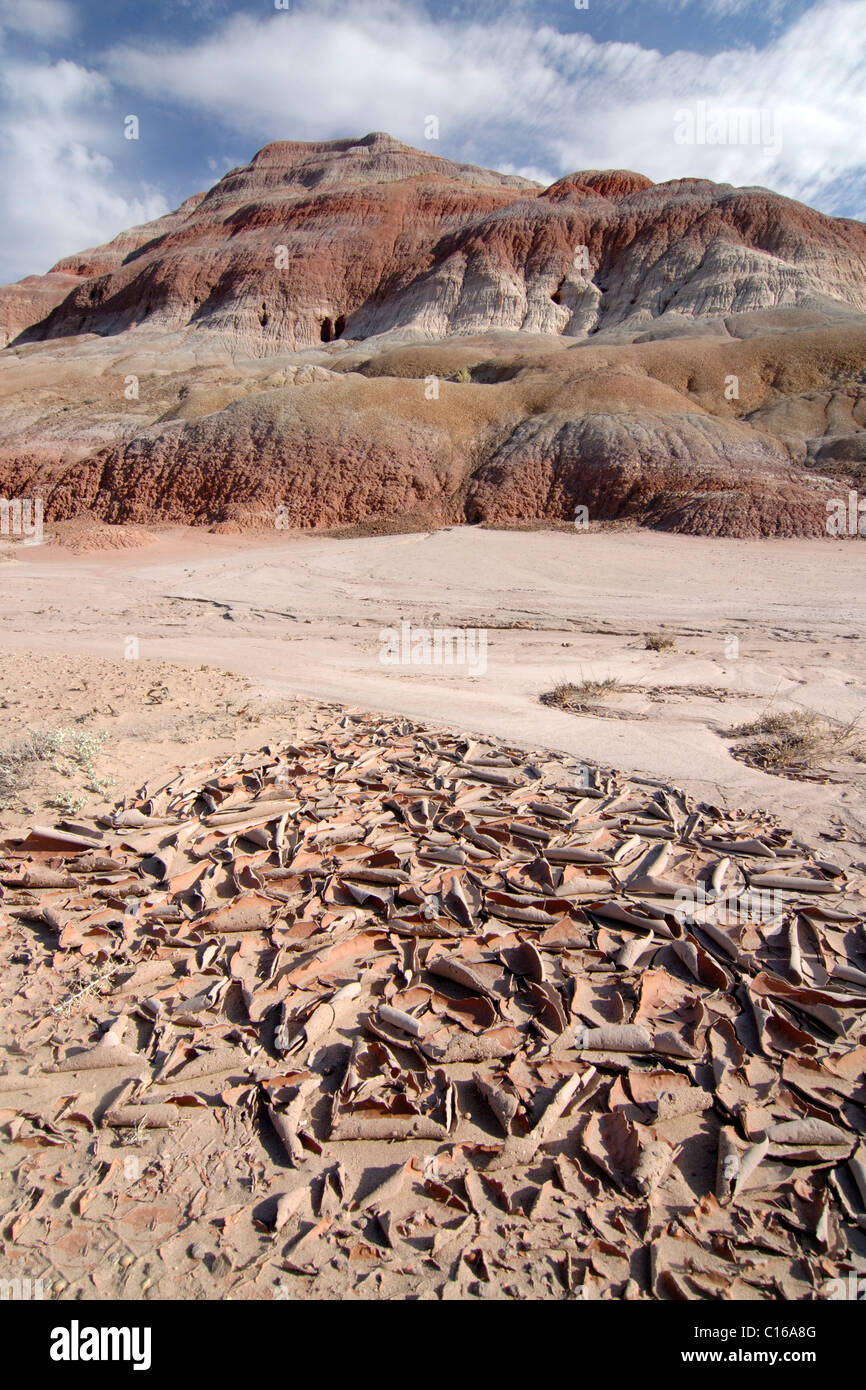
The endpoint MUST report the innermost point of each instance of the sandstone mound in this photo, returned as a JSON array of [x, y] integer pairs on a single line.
[[355, 332], [313, 242]]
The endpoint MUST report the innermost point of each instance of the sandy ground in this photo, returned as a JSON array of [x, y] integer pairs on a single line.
[[753, 623], [131, 662]]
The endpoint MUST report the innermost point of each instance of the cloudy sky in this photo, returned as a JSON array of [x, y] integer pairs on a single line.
[[769, 92]]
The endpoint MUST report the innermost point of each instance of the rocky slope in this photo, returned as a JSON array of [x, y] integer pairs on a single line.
[[356, 331]]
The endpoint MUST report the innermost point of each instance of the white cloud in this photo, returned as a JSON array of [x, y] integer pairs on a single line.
[[298, 73], [46, 19], [529, 171], [767, 10], [517, 95], [63, 190], [723, 9], [508, 93]]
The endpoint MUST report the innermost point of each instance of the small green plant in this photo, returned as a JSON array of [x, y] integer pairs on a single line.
[[42, 744], [68, 803], [85, 747], [464, 376], [69, 751], [100, 785]]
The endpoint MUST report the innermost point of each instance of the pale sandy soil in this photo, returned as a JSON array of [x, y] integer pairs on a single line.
[[236, 639], [302, 618]]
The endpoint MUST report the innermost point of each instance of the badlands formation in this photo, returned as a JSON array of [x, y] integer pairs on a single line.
[[359, 333]]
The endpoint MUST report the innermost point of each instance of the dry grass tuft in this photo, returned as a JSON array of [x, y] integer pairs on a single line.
[[796, 741], [580, 697]]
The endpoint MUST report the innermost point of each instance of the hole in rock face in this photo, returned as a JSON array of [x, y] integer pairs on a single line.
[[327, 330], [340, 326], [557, 297], [263, 316]]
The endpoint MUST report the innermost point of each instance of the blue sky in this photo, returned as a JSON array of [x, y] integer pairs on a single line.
[[768, 92]]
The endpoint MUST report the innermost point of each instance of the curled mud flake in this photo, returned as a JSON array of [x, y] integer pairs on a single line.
[[250, 913], [215, 1062], [448, 967], [288, 1205], [684, 1100], [503, 1103], [630, 954], [463, 902], [625, 1037], [398, 1019], [653, 1164], [448, 1047], [383, 1195], [142, 1116], [809, 1132], [288, 1122], [701, 965], [361, 1127], [107, 1054], [612, 1142], [519, 1151], [857, 1165]]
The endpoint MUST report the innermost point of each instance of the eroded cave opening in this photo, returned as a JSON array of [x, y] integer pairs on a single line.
[[327, 330]]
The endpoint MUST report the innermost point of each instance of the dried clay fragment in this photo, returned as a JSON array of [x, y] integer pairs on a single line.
[[520, 1151], [105, 1054], [214, 1063], [620, 1037], [142, 1116], [360, 1126], [810, 1134], [683, 1100], [448, 1047], [503, 1104], [287, 1122], [654, 1161]]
